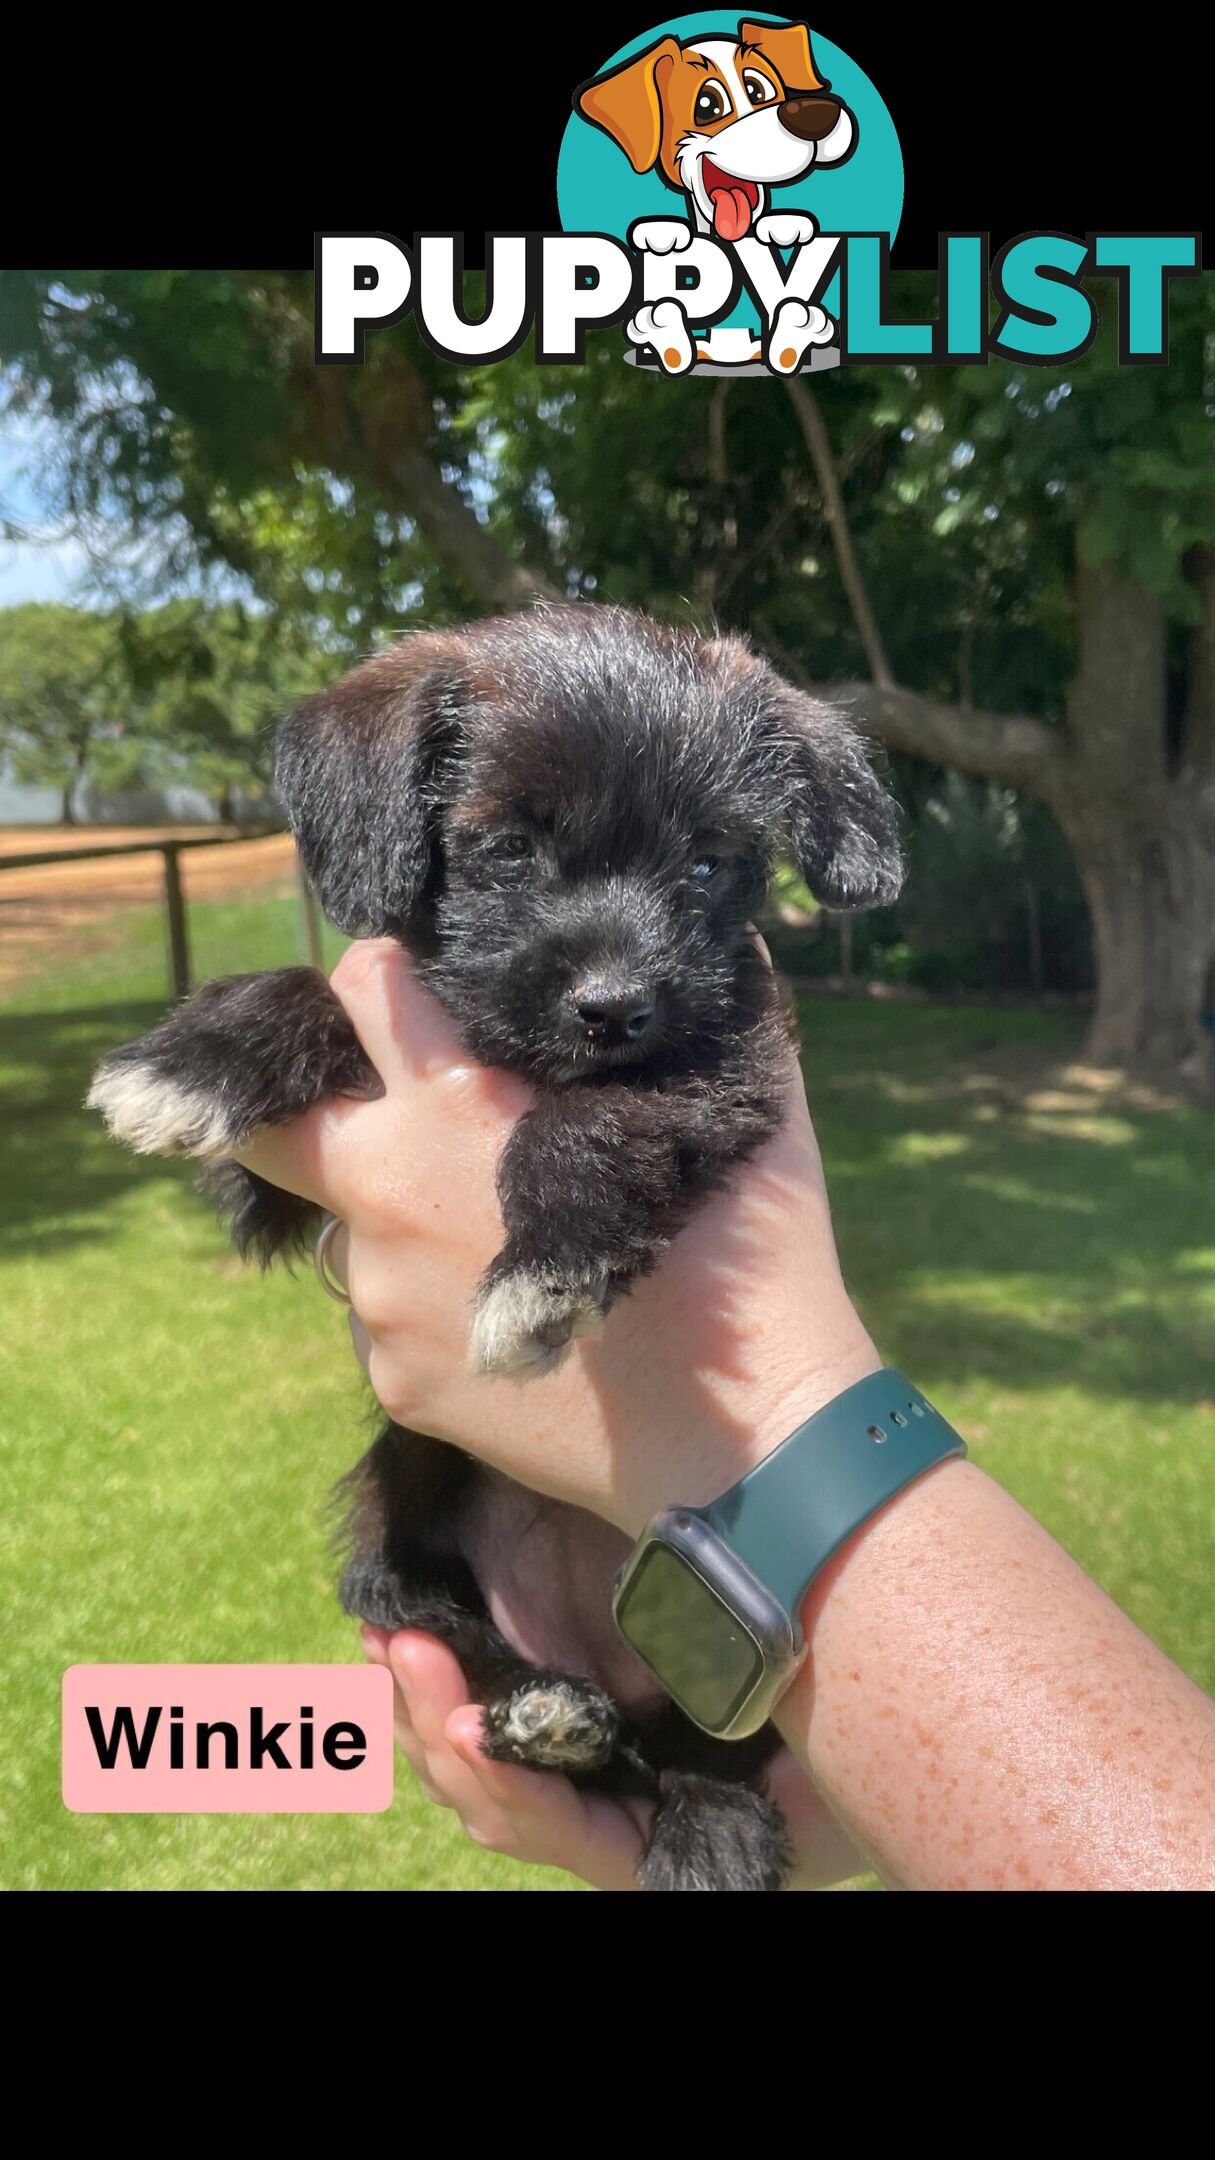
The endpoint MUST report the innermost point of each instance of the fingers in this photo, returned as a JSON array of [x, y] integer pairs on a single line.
[[530, 1816], [541, 1819], [326, 1155], [537, 1817], [290, 1156], [359, 1336], [399, 1026], [403, 1029]]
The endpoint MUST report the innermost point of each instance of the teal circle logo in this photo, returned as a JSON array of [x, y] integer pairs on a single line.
[[599, 191]]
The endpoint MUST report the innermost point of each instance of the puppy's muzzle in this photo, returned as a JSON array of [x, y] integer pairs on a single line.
[[809, 118], [613, 1008]]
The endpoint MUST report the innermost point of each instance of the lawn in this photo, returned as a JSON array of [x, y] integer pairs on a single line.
[[1040, 1256]]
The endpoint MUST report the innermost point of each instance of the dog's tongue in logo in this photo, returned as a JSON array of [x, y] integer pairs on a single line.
[[734, 201]]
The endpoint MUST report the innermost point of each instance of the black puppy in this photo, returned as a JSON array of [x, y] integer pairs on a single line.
[[568, 817]]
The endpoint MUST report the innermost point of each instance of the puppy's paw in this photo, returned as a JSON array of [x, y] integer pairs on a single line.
[[526, 1320], [660, 236], [712, 1835], [156, 1115], [795, 325], [785, 228], [552, 1725], [664, 326]]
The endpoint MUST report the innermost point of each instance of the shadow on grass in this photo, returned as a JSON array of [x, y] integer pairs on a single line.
[[59, 1171], [1004, 1215]]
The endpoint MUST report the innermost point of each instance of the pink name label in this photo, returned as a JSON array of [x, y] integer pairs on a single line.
[[227, 1739]]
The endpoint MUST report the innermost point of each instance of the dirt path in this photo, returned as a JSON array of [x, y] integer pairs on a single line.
[[61, 910]]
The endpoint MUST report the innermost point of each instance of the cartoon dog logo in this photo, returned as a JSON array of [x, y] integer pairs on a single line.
[[724, 121]]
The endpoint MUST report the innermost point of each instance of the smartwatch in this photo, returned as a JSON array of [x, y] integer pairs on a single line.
[[710, 1598]]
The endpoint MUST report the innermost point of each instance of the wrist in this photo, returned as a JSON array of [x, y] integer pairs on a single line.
[[711, 1595], [852, 1596], [717, 1440]]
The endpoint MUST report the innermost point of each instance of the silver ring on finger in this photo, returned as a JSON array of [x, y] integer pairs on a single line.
[[323, 1264]]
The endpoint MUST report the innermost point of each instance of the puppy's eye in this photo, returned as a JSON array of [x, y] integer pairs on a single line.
[[510, 847], [758, 88], [710, 105], [706, 867]]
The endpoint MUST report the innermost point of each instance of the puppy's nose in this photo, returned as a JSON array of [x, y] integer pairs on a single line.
[[611, 1006], [809, 118]]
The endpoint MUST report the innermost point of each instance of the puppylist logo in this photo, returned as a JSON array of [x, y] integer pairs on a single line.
[[729, 191]]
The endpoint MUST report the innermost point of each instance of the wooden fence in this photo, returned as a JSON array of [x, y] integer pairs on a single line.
[[175, 904]]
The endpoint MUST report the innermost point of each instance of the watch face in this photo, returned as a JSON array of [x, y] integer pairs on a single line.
[[696, 1645]]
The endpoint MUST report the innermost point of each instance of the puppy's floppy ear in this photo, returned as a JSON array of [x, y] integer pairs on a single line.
[[843, 823], [357, 770], [627, 104]]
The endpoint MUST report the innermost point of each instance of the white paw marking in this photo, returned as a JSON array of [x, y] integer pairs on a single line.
[[156, 1116], [660, 236], [551, 1723], [664, 326], [796, 324], [785, 228], [515, 1317]]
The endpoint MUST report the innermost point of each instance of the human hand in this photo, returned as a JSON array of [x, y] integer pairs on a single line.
[[744, 1330], [948, 1641], [534, 1816]]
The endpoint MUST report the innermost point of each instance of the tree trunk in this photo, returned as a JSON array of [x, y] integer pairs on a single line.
[[1142, 828], [67, 815], [1151, 894]]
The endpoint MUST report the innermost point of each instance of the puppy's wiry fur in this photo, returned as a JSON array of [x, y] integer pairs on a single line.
[[568, 817]]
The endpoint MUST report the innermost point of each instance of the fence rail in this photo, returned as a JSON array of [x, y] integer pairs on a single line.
[[176, 916]]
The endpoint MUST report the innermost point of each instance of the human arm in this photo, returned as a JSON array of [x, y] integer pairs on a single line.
[[972, 1708]]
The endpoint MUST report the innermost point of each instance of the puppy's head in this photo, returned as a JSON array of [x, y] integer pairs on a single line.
[[570, 816], [725, 119]]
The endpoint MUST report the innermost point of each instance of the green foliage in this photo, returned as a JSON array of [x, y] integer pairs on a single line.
[[186, 693], [992, 900], [209, 686], [992, 903], [65, 710]]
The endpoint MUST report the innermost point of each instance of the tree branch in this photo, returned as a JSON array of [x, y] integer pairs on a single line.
[[1009, 747], [462, 544], [818, 443]]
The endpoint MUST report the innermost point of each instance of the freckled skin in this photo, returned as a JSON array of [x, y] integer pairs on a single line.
[[1078, 1757]]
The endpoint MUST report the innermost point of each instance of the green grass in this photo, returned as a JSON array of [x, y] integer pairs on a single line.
[[1043, 1265]]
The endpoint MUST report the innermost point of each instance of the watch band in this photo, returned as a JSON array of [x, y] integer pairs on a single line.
[[788, 1515]]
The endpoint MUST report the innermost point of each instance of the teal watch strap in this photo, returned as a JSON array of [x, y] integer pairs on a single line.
[[788, 1515]]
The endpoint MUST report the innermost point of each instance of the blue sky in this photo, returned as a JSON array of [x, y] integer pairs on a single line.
[[37, 567]]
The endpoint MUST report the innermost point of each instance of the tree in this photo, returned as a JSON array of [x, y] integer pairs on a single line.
[[64, 711], [1007, 574], [209, 684], [1128, 768]]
